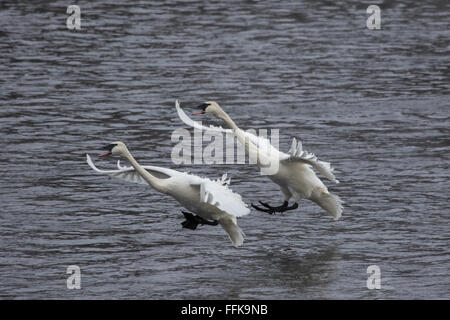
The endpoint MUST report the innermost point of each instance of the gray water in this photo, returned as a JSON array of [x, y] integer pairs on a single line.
[[375, 103]]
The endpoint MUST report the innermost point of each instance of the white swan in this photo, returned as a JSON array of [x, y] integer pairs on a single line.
[[295, 176], [210, 200]]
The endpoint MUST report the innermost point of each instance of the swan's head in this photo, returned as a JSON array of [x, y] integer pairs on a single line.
[[212, 108], [114, 148]]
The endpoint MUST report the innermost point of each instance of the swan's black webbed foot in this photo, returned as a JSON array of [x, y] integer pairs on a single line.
[[192, 221], [271, 210]]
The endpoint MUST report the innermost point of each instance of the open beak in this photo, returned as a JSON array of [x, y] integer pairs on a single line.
[[108, 149], [202, 107], [107, 153]]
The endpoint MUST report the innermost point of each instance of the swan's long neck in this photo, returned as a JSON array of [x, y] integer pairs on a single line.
[[151, 180], [254, 152], [240, 134], [230, 123]]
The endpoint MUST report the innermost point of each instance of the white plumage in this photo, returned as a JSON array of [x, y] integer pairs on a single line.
[[295, 176], [211, 200]]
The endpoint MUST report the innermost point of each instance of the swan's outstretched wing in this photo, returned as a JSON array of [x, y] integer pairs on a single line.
[[215, 193], [297, 154], [263, 144], [220, 196], [129, 173], [184, 117], [158, 172]]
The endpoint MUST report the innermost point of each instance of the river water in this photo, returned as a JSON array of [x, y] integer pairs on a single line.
[[375, 103]]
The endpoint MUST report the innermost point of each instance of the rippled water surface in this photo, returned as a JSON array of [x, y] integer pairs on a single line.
[[373, 102]]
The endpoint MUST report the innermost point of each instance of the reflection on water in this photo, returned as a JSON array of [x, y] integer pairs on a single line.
[[374, 103]]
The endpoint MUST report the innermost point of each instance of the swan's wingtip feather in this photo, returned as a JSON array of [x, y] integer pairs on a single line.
[[91, 163]]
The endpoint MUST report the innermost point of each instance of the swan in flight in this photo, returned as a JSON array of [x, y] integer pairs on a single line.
[[210, 200], [294, 174]]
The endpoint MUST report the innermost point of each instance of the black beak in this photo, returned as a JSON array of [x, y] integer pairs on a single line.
[[202, 107], [108, 149]]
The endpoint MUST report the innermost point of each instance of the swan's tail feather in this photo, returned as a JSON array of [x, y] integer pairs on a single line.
[[234, 232], [329, 202]]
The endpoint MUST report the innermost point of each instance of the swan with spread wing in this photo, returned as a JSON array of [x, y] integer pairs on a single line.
[[294, 174], [212, 201]]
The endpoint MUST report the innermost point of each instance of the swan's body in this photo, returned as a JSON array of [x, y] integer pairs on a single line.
[[211, 200], [294, 174]]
